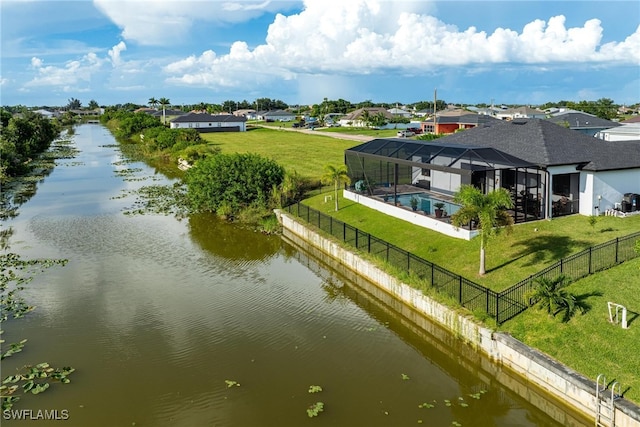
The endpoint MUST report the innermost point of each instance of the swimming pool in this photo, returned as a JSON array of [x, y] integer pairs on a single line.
[[426, 203]]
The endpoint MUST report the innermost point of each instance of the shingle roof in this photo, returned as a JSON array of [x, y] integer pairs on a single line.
[[357, 114], [580, 120], [203, 117], [545, 144]]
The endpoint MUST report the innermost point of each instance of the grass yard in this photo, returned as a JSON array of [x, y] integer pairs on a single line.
[[589, 343], [307, 154], [509, 257]]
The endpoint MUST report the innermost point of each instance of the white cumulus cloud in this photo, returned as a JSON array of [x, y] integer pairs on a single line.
[[114, 53], [74, 75], [367, 36], [159, 22]]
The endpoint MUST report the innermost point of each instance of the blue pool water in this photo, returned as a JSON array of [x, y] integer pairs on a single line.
[[426, 203]]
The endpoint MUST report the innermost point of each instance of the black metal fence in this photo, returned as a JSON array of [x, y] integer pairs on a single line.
[[502, 306]]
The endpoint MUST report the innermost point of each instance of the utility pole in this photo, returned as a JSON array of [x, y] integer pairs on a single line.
[[435, 100]]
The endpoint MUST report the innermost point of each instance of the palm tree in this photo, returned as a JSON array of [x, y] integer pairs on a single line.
[[551, 295], [164, 102], [366, 117], [488, 210], [153, 102], [335, 175]]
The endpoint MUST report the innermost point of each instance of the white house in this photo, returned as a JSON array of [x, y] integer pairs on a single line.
[[278, 116], [549, 170], [625, 132], [204, 122], [520, 113]]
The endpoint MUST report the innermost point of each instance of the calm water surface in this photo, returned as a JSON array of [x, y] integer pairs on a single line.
[[156, 313]]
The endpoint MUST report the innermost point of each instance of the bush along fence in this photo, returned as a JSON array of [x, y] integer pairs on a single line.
[[501, 306]]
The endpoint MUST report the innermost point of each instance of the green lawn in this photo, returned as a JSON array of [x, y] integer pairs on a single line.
[[509, 257], [307, 154], [589, 343]]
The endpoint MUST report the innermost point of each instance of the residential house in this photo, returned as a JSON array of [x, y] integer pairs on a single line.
[[399, 112], [520, 113], [247, 113], [278, 116], [624, 132], [357, 118], [581, 122], [47, 114], [454, 121], [548, 169], [204, 122]]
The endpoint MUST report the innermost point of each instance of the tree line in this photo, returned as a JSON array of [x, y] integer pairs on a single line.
[[23, 137]]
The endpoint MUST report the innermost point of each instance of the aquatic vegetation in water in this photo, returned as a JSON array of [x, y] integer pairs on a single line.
[[231, 383], [315, 409], [405, 376], [159, 199], [315, 389], [16, 274]]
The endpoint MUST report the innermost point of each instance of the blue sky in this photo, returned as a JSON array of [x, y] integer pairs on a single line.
[[510, 52]]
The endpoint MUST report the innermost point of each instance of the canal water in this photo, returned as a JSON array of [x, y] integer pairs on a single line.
[[197, 322]]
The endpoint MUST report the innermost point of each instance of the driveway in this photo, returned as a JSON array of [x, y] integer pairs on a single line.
[[347, 136]]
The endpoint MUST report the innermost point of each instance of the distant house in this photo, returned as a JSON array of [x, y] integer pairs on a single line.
[[450, 122], [399, 112], [520, 113], [581, 122], [204, 122], [278, 116], [249, 114], [357, 118], [47, 114], [624, 132]]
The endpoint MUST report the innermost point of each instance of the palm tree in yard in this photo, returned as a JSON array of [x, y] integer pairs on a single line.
[[153, 102], [550, 295], [487, 210], [164, 102], [335, 175]]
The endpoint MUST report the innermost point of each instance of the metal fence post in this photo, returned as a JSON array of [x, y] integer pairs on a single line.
[[368, 243], [460, 290], [617, 242], [561, 265], [344, 231], [590, 259]]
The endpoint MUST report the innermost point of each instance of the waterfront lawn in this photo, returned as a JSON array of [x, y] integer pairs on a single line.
[[307, 154], [509, 257], [588, 343]]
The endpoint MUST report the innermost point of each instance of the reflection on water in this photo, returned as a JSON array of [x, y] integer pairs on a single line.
[[229, 240], [156, 313]]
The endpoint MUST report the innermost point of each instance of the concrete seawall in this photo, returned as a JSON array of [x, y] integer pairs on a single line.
[[504, 351]]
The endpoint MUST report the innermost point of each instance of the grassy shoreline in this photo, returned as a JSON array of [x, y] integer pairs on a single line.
[[588, 344]]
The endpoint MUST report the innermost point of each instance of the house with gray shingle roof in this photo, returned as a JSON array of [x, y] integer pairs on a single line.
[[204, 122], [549, 170], [581, 122]]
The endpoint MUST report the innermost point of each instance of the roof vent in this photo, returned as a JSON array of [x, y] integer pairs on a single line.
[[520, 121]]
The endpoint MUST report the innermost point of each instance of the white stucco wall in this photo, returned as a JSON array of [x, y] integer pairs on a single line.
[[410, 216], [612, 185]]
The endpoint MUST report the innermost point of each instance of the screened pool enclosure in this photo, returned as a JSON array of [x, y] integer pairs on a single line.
[[388, 168]]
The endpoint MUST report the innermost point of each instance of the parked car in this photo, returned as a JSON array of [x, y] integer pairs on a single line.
[[405, 133]]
